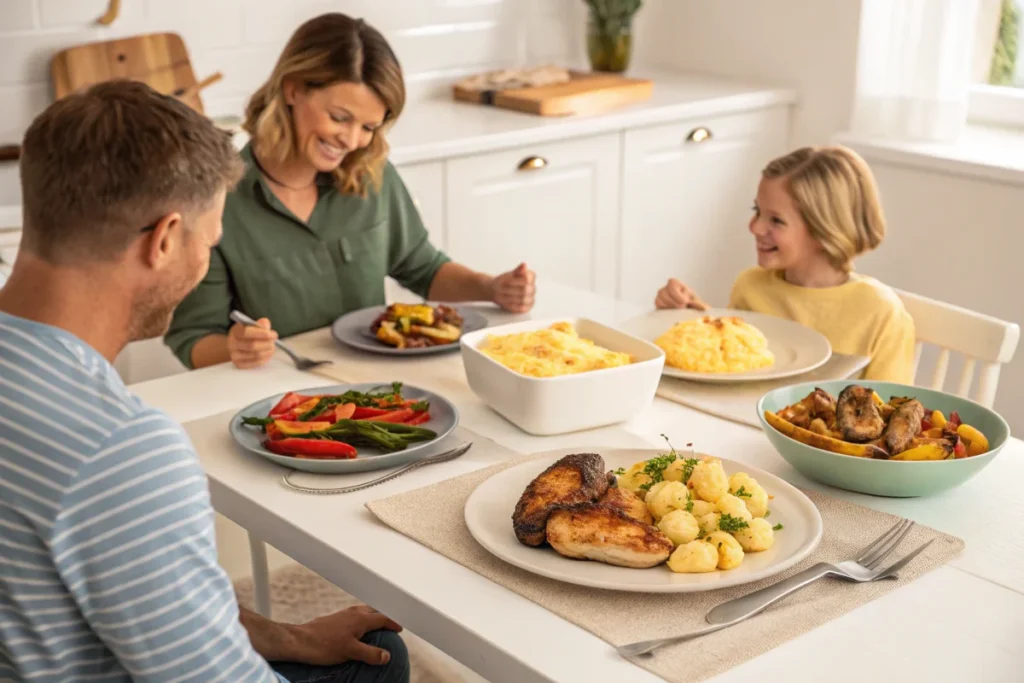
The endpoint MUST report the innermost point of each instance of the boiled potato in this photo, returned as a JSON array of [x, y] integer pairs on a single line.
[[702, 507], [693, 558], [731, 505], [634, 478], [671, 495], [757, 501], [709, 522], [730, 552], [680, 527], [758, 536], [709, 480], [674, 472]]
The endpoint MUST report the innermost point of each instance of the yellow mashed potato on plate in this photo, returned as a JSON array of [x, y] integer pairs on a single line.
[[557, 350], [715, 345]]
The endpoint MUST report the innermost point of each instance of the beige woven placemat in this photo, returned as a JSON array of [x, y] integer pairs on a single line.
[[737, 402], [433, 516]]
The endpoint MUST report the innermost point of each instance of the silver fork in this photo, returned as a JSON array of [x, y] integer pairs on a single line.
[[862, 569], [434, 459], [301, 362]]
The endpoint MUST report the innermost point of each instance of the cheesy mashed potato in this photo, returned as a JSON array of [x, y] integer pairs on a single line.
[[715, 345], [557, 350]]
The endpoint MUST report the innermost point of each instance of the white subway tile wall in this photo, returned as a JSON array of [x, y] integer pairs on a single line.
[[242, 38]]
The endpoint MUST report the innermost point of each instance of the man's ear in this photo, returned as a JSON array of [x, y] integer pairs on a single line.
[[164, 239]]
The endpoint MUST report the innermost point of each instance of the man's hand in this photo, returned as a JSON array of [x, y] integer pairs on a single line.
[[677, 295], [337, 638], [251, 347], [515, 290]]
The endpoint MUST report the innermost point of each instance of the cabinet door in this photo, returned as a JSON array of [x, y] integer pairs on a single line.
[[554, 206], [688, 189], [425, 183]]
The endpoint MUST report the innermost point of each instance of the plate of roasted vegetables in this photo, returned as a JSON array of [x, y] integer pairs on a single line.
[[881, 438], [407, 329], [345, 428]]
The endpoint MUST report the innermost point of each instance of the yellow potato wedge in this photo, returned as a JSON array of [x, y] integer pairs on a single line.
[[823, 442], [937, 450], [938, 419], [933, 433], [976, 441], [877, 399]]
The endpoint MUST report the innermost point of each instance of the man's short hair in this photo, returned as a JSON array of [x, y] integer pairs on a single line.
[[101, 165]]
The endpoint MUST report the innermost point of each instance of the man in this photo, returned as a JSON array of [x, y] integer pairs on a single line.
[[109, 569]]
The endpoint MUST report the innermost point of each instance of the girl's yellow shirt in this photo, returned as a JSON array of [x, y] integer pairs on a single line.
[[860, 317]]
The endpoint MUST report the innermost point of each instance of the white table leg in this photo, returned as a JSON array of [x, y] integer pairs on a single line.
[[260, 576]]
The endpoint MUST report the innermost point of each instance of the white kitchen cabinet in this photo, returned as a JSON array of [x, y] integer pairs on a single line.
[[425, 183], [554, 206], [687, 192]]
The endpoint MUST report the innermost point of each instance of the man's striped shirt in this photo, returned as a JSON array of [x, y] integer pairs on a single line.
[[108, 564]]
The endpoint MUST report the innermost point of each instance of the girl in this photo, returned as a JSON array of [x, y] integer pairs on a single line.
[[817, 209]]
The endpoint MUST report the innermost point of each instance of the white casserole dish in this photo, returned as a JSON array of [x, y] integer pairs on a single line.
[[558, 405]]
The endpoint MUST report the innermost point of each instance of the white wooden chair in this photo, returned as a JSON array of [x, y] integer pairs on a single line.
[[986, 344]]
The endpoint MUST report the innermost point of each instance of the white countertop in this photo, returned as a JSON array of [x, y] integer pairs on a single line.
[[435, 127], [973, 607]]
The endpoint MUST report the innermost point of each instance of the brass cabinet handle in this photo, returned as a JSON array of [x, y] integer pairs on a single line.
[[533, 164], [699, 135]]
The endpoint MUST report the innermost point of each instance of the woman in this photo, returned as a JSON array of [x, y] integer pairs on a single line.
[[321, 217]]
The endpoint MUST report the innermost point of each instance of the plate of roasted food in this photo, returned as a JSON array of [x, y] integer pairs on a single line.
[[723, 345], [881, 438], [643, 520], [345, 428], [407, 329]]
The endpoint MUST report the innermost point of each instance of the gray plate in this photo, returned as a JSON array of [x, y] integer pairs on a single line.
[[444, 417], [353, 329]]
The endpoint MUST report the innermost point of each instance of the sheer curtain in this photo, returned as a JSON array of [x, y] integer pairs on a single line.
[[914, 68]]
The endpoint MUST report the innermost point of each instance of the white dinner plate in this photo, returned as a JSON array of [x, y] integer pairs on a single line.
[[489, 510], [797, 349]]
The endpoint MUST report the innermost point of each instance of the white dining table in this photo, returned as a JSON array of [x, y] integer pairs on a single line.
[[960, 622]]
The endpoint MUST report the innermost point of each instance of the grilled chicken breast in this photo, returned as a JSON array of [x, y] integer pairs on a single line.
[[857, 416], [574, 479], [594, 531], [628, 502], [904, 425]]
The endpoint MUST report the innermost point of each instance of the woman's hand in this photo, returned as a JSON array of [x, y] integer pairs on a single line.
[[515, 290], [251, 347], [677, 295]]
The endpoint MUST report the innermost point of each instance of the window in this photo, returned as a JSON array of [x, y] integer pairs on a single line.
[[998, 96]]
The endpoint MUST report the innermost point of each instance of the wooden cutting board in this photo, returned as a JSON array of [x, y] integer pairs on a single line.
[[584, 93], [160, 60]]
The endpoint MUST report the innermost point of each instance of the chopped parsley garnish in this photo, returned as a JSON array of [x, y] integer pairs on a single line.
[[688, 466], [767, 514], [732, 524], [777, 527], [655, 469], [619, 472], [742, 493], [689, 504]]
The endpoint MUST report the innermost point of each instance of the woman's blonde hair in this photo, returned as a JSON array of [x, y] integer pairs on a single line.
[[836, 195], [328, 49]]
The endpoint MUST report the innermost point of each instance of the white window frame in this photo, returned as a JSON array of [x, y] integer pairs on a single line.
[[992, 104]]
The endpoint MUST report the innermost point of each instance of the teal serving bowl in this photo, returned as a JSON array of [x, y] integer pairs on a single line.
[[892, 478]]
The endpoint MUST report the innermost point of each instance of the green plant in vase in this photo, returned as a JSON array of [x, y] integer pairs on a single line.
[[610, 33]]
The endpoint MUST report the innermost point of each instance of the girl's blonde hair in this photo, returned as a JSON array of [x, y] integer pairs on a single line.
[[836, 195], [328, 49]]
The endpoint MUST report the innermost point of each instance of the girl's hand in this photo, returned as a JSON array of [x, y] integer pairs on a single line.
[[251, 347], [677, 295]]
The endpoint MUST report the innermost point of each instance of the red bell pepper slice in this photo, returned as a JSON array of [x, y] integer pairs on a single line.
[[273, 432], [288, 402], [926, 424], [363, 413], [314, 448], [399, 416], [420, 418], [954, 419]]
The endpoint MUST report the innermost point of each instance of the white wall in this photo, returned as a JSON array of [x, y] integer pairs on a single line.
[[242, 39], [807, 45]]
